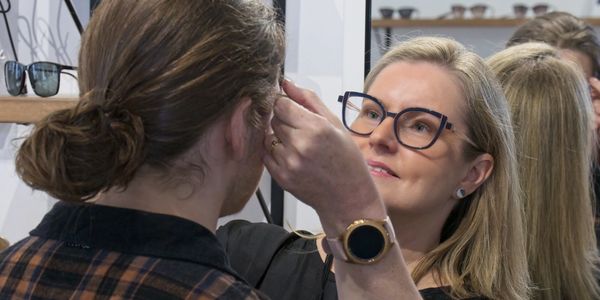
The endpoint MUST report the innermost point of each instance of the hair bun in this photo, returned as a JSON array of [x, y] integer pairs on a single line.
[[74, 154]]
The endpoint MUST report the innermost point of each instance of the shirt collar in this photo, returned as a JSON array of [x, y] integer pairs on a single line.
[[133, 232]]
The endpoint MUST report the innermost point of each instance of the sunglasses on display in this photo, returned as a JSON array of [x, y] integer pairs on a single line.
[[44, 77]]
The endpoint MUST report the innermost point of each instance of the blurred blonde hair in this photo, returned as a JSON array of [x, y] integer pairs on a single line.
[[481, 251], [552, 116]]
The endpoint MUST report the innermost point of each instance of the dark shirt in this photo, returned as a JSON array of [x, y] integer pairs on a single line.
[[285, 266], [93, 251]]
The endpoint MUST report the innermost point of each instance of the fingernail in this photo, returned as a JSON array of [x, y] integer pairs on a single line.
[[289, 81]]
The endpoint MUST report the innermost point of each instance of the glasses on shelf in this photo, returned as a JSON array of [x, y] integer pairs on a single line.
[[415, 127], [520, 10], [44, 77], [477, 11], [405, 13]]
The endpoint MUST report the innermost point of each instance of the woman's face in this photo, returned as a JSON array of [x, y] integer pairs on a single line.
[[417, 182]]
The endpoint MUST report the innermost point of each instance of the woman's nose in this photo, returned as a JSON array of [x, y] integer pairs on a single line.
[[383, 136]]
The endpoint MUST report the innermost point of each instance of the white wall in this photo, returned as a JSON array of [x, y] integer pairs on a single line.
[[43, 30], [325, 53]]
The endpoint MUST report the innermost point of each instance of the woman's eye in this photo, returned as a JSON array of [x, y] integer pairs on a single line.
[[421, 127], [373, 114]]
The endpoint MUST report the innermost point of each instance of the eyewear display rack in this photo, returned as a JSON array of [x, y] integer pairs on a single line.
[[502, 22], [30, 109], [388, 24]]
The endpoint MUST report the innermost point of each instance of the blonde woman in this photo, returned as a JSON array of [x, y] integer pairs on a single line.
[[577, 42], [443, 162], [553, 118]]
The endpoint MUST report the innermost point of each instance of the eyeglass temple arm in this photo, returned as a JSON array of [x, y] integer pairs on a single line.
[[65, 67], [70, 75]]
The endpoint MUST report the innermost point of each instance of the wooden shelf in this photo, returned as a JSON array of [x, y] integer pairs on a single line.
[[30, 109], [505, 22]]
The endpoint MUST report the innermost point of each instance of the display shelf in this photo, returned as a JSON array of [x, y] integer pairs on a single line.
[[504, 22], [30, 109]]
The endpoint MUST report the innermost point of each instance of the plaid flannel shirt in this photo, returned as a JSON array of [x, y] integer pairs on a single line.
[[101, 252]]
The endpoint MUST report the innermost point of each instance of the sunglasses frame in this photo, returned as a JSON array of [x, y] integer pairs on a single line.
[[27, 72]]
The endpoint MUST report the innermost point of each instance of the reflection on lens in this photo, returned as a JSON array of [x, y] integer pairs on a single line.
[[44, 78], [362, 115], [417, 128], [14, 75]]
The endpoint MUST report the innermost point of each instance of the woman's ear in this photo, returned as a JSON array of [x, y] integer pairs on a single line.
[[479, 171], [237, 130]]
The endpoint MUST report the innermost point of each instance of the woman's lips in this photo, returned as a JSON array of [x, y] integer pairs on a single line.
[[380, 169]]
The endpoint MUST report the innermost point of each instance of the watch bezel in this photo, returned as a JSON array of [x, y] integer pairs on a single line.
[[379, 225]]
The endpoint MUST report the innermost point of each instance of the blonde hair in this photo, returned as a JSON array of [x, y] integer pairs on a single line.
[[481, 252], [552, 115]]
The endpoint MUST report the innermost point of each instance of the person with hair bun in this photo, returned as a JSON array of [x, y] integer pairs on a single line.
[[133, 163], [169, 135]]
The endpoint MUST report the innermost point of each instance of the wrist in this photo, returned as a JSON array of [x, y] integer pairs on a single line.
[[349, 203], [365, 241], [334, 223]]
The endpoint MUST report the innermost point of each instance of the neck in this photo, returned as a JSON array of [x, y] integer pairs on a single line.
[[149, 191], [417, 236]]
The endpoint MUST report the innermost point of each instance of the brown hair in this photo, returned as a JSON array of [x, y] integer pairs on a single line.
[[561, 30], [153, 76]]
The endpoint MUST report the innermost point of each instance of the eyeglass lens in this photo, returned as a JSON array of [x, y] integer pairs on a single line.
[[413, 128], [14, 76], [43, 76]]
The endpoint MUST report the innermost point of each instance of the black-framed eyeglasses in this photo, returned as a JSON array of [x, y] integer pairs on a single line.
[[414, 127], [44, 77]]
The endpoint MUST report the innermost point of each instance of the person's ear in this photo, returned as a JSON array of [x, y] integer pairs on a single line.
[[479, 171], [237, 130]]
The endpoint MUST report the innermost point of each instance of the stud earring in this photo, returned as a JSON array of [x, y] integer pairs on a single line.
[[460, 193]]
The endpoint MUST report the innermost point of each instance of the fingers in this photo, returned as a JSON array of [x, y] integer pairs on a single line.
[[304, 97], [595, 83], [596, 105], [310, 101], [291, 114], [282, 129], [275, 170], [595, 87]]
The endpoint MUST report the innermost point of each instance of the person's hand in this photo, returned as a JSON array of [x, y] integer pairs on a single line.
[[309, 100], [595, 92], [313, 157]]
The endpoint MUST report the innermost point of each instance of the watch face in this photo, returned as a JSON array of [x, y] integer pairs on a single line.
[[366, 242]]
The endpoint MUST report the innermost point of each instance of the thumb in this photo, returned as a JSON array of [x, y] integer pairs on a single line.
[[309, 100]]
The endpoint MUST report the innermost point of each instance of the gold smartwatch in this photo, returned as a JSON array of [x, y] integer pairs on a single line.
[[365, 241]]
